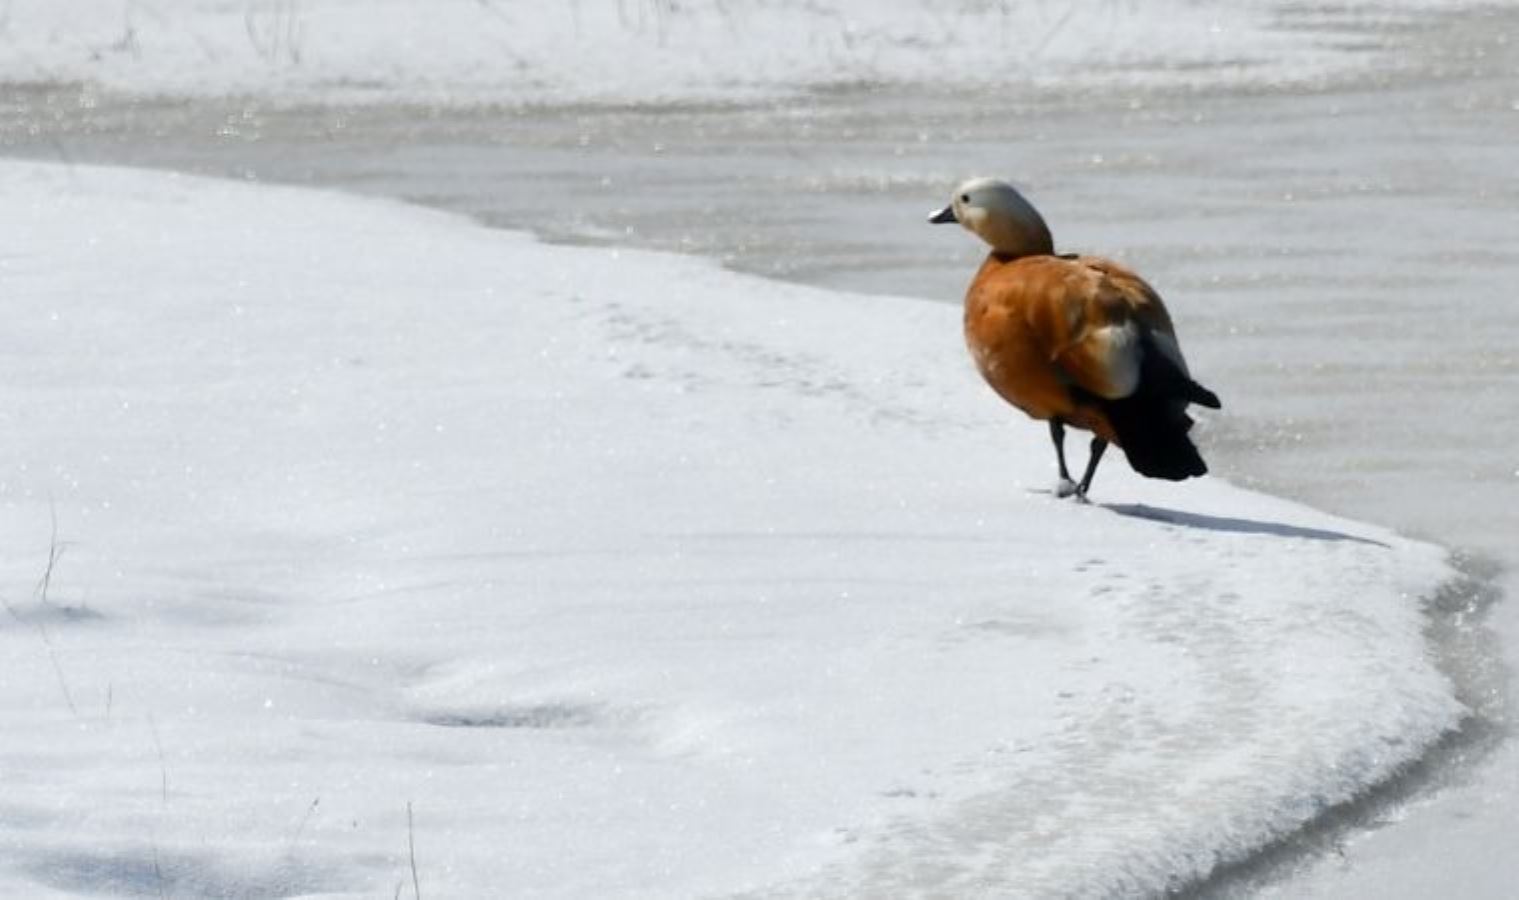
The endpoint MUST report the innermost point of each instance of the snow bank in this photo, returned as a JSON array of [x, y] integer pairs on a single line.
[[631, 576], [619, 50]]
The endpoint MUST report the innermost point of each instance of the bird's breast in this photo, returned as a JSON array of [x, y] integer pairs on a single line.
[[1007, 355]]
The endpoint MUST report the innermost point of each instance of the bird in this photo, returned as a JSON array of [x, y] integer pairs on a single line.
[[1079, 341]]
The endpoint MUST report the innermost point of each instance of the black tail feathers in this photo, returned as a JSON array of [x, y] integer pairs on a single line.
[[1200, 395], [1152, 430], [1152, 423]]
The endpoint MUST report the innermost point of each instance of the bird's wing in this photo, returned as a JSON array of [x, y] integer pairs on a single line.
[[1122, 335], [1093, 319], [1120, 286]]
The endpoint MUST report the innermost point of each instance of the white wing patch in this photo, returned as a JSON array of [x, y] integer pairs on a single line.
[[1119, 348]]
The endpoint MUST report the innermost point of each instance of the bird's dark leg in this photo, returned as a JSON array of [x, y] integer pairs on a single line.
[[1098, 447], [1065, 487]]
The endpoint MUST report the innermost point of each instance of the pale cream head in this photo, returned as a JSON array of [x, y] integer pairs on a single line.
[[995, 212]]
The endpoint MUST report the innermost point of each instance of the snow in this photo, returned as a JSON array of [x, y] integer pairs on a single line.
[[475, 51], [627, 575]]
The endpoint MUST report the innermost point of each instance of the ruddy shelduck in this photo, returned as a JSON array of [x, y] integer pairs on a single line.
[[1075, 340]]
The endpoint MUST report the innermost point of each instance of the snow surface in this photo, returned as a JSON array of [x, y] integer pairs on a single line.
[[618, 50], [630, 575]]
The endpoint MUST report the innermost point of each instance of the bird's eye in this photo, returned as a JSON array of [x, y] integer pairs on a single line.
[[965, 198]]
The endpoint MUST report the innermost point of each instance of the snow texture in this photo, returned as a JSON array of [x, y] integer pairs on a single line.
[[514, 51], [632, 576]]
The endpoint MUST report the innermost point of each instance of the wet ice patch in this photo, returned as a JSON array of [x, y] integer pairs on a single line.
[[147, 871], [530, 716], [473, 695]]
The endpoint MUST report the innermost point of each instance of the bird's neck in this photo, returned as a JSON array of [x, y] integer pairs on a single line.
[[1015, 236], [1011, 247]]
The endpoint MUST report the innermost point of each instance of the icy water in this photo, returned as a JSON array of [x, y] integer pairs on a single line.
[[1340, 262]]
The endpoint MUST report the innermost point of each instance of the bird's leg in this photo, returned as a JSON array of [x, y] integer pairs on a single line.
[[1065, 487], [1098, 447]]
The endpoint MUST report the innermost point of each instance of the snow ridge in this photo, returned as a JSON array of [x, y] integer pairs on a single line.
[[723, 50]]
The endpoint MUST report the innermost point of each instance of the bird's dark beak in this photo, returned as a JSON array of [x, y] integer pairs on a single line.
[[947, 214]]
